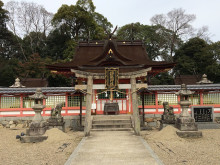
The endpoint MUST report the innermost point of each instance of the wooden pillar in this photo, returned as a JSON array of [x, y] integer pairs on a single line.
[[88, 106], [201, 97], [80, 105], [66, 103], [135, 106], [66, 99], [21, 101], [143, 115], [156, 101]]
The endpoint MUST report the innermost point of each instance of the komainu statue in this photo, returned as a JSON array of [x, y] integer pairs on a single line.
[[168, 110], [56, 111], [168, 116], [56, 119]]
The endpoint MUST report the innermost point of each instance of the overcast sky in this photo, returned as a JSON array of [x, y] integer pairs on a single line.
[[121, 12]]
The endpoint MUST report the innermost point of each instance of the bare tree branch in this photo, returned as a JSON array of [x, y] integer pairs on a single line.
[[176, 21], [28, 17]]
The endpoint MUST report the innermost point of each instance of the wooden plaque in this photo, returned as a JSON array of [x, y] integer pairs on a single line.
[[111, 78]]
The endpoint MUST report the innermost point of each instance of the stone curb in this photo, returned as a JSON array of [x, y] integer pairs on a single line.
[[74, 154], [152, 153]]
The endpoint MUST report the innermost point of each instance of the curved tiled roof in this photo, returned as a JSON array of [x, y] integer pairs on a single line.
[[32, 90], [177, 87], [125, 53]]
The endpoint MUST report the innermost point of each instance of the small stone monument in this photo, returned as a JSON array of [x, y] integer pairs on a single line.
[[168, 116], [56, 119], [38, 126], [185, 123], [17, 84]]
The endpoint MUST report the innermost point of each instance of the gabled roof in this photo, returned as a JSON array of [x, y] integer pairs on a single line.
[[34, 82], [127, 55], [187, 79], [110, 50]]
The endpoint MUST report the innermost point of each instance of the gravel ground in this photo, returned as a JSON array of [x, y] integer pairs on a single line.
[[173, 150], [53, 151], [170, 148]]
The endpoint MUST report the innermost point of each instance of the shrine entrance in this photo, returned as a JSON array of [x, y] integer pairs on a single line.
[[130, 97], [111, 72]]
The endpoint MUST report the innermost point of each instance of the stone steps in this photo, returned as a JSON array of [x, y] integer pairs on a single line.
[[112, 123], [116, 117], [112, 129]]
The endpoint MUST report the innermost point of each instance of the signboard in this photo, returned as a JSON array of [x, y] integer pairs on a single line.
[[111, 78], [202, 113]]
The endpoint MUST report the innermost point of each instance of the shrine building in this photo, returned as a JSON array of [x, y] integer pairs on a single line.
[[112, 71]]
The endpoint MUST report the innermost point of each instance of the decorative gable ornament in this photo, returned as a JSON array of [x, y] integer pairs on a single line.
[[205, 80], [17, 84]]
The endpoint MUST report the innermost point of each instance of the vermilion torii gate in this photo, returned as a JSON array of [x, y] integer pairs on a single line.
[[89, 88]]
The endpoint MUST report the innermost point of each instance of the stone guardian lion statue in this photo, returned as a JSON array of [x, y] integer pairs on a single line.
[[56, 111]]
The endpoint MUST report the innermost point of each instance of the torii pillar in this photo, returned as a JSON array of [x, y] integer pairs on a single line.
[[134, 87], [88, 121], [89, 87], [136, 117]]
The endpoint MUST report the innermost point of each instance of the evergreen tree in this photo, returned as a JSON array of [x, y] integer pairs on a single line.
[[155, 38], [196, 58], [3, 20]]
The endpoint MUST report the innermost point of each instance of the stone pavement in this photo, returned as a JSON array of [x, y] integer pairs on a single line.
[[208, 125], [113, 148]]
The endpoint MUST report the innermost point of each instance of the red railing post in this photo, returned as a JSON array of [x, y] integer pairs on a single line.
[[201, 97]]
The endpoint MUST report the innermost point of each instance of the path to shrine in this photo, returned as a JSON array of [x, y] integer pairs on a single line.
[[115, 148]]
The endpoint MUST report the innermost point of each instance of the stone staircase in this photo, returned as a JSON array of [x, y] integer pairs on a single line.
[[112, 123]]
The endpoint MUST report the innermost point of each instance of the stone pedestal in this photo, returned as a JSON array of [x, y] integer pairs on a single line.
[[37, 129], [168, 117], [189, 134], [54, 122], [33, 139], [186, 124]]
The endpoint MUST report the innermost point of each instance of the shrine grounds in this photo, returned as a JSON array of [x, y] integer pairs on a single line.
[[170, 148], [173, 150], [54, 151]]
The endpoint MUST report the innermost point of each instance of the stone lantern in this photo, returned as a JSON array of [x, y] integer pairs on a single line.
[[38, 126], [38, 105], [185, 123]]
